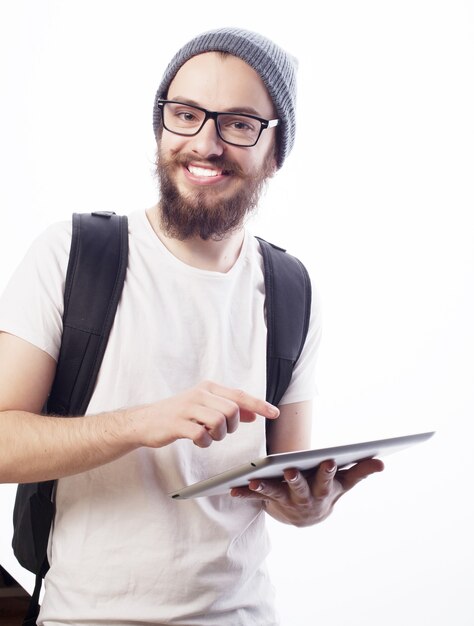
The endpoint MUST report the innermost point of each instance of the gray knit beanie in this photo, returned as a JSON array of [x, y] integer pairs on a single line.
[[276, 68]]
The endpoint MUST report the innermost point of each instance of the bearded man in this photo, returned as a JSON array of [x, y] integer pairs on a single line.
[[184, 368]]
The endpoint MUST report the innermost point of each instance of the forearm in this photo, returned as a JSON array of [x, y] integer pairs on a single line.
[[35, 447]]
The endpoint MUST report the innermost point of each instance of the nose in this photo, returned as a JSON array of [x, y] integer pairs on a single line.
[[207, 142]]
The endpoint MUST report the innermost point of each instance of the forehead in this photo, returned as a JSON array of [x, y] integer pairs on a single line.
[[221, 82]]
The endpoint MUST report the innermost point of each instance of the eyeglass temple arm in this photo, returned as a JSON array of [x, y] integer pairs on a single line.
[[271, 123]]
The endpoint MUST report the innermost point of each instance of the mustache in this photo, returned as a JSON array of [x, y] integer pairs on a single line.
[[219, 162]]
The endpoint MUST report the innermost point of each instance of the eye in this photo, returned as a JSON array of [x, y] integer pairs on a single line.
[[182, 115], [239, 124], [186, 116]]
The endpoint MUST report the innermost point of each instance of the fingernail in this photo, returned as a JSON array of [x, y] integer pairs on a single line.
[[273, 411], [331, 468], [294, 478], [259, 487]]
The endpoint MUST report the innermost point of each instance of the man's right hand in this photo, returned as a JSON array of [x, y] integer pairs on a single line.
[[205, 413], [35, 447]]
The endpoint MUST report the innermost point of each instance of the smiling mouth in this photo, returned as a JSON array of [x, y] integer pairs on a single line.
[[206, 172]]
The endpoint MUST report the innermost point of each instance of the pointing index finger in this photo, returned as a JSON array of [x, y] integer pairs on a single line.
[[246, 402]]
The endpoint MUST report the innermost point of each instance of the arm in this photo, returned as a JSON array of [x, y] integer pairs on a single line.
[[300, 500], [35, 447], [292, 431]]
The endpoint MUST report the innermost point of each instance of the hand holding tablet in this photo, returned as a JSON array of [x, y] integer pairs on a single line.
[[273, 465]]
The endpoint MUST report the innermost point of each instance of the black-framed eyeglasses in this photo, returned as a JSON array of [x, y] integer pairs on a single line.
[[238, 129]]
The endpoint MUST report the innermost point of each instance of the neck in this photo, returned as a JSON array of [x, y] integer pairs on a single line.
[[214, 256]]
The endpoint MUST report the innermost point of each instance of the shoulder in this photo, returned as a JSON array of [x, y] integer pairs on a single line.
[[53, 243], [31, 305], [48, 253], [277, 253]]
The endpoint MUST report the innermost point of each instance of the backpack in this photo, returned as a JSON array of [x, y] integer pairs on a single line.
[[94, 280]]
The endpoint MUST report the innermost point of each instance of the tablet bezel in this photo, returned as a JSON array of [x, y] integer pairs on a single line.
[[272, 466]]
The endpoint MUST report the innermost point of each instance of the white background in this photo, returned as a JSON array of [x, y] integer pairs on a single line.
[[376, 198]]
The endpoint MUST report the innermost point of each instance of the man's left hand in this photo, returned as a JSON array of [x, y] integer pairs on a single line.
[[303, 501]]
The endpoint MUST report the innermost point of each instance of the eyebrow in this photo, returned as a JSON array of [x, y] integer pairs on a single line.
[[244, 109]]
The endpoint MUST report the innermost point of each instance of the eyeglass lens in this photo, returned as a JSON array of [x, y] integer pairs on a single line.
[[233, 127]]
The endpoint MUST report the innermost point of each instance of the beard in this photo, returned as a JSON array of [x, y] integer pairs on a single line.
[[203, 213]]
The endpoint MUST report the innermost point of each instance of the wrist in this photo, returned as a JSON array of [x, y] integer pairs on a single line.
[[118, 431]]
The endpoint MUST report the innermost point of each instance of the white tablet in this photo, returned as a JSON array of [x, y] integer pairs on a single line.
[[273, 465]]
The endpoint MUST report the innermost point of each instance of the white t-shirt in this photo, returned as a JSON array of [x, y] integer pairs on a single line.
[[121, 551]]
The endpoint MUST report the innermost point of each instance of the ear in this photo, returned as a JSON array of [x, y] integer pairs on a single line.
[[272, 166], [271, 160]]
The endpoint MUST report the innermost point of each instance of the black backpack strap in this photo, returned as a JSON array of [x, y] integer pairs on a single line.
[[95, 276], [33, 606], [288, 310], [94, 282]]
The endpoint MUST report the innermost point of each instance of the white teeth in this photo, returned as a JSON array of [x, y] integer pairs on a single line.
[[203, 171]]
